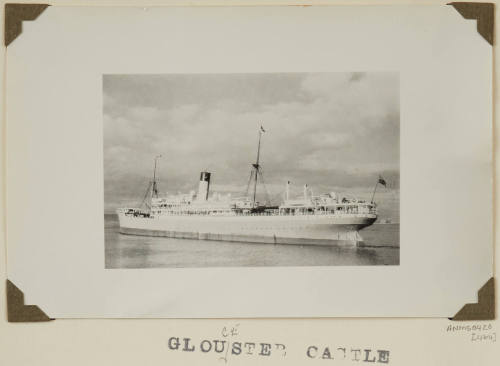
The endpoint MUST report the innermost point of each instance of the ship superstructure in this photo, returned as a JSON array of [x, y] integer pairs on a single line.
[[325, 219]]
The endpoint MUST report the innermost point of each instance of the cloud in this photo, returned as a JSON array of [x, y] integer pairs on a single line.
[[144, 114], [356, 76]]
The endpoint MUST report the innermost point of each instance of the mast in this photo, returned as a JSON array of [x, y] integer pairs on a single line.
[[256, 167], [154, 188], [256, 174]]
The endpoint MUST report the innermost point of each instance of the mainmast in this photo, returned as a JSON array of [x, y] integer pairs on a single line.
[[257, 166], [256, 170]]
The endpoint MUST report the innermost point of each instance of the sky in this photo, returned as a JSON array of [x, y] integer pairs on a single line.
[[333, 131]]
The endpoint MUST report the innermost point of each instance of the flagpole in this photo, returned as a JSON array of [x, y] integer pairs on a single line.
[[374, 190]]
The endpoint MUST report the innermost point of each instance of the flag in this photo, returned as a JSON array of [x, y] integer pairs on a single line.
[[382, 181], [262, 129]]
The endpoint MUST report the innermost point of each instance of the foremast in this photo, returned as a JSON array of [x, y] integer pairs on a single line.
[[152, 191]]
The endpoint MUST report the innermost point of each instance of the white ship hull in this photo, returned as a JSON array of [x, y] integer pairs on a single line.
[[324, 229]]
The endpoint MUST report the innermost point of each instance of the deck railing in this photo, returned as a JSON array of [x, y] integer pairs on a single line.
[[154, 213]]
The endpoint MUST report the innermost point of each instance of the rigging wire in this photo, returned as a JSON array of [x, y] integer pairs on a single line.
[[268, 201], [146, 196], [249, 181]]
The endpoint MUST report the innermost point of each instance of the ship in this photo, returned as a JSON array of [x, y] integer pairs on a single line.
[[326, 219]]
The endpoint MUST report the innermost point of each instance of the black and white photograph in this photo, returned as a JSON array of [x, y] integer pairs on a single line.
[[270, 169]]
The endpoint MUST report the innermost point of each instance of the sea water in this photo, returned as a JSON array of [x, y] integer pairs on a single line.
[[381, 247]]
